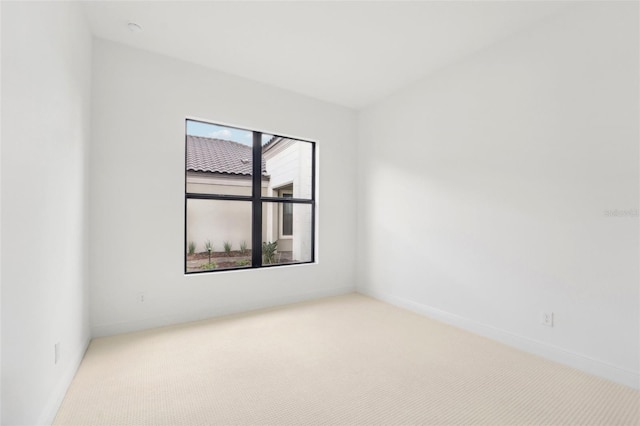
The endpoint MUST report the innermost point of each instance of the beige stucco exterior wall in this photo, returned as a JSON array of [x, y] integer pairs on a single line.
[[219, 220]]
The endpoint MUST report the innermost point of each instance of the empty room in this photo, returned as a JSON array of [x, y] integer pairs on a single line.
[[320, 212]]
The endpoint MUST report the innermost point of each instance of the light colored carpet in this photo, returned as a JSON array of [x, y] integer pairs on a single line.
[[342, 360]]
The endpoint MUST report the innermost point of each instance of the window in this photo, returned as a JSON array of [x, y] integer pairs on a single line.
[[249, 199], [286, 214]]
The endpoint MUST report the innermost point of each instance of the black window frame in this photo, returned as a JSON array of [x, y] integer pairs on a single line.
[[256, 199]]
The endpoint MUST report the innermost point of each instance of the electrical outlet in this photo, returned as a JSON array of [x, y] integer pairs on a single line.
[[56, 353], [141, 297], [546, 318]]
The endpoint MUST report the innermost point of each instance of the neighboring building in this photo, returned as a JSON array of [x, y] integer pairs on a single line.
[[216, 166], [288, 164]]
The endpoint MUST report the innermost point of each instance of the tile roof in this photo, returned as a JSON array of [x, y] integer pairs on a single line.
[[219, 156], [271, 143]]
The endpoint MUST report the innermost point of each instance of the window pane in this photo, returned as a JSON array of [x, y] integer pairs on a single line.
[[288, 162], [287, 219], [223, 226], [219, 159], [279, 247]]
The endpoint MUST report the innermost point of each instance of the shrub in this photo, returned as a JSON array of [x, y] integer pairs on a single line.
[[243, 262], [227, 247], [192, 247], [269, 252], [210, 265], [243, 247]]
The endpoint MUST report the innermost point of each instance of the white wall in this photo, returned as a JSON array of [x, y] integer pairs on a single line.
[[46, 65], [140, 102], [0, 220], [483, 191]]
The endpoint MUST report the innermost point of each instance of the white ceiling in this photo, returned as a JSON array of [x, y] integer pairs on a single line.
[[348, 53]]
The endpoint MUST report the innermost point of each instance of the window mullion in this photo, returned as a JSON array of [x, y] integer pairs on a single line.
[[256, 228]]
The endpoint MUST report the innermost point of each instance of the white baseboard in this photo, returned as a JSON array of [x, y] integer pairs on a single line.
[[103, 330], [55, 400], [553, 353]]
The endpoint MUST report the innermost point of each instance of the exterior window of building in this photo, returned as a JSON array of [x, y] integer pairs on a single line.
[[249, 199], [286, 212]]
